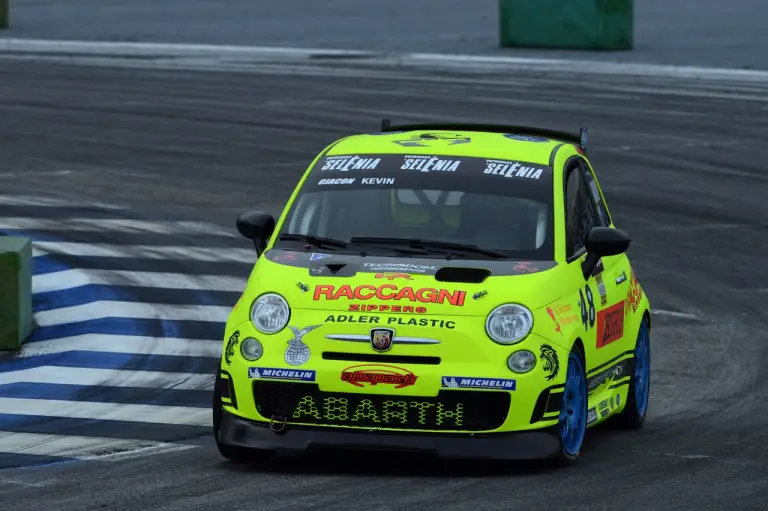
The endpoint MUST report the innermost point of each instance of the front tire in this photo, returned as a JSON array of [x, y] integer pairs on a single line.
[[636, 409], [572, 424]]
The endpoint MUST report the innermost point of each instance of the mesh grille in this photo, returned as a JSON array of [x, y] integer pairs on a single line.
[[451, 410]]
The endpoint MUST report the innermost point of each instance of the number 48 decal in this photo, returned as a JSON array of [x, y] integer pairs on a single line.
[[587, 313]]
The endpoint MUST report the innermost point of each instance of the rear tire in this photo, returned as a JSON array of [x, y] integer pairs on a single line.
[[636, 409], [231, 452], [572, 424]]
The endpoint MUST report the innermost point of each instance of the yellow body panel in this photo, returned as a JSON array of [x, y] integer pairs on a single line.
[[453, 314]]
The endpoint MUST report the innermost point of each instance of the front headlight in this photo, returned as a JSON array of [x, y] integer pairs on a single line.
[[251, 349], [270, 313], [509, 323], [521, 361]]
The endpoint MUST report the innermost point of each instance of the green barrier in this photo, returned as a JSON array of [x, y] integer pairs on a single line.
[[15, 292], [5, 13], [567, 24]]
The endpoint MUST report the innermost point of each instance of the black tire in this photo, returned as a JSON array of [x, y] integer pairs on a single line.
[[631, 417], [231, 452]]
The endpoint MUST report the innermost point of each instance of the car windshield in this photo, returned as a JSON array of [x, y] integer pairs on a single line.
[[383, 203]]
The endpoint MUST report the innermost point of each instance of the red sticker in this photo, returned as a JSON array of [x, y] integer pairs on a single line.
[[610, 324], [378, 374], [389, 292]]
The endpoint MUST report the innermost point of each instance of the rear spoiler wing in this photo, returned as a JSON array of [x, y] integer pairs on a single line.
[[581, 140]]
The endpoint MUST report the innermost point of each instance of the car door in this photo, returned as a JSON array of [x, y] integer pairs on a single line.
[[599, 299], [616, 273]]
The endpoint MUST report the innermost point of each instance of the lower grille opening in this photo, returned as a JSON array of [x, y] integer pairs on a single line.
[[373, 357], [451, 410], [227, 390], [550, 400]]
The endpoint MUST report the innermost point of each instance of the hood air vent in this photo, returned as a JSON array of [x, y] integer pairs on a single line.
[[465, 275], [340, 269]]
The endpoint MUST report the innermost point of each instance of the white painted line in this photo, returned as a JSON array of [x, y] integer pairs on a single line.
[[200, 51], [674, 314], [126, 344], [27, 200], [4, 480], [585, 66], [178, 415], [67, 279], [62, 280], [37, 174], [109, 378], [73, 446], [117, 225], [161, 49], [239, 255], [710, 227], [142, 452], [133, 310], [12, 200]]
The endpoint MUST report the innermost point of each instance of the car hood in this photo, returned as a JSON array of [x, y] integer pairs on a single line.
[[349, 282]]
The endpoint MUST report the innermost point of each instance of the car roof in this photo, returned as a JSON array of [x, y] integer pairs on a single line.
[[460, 142]]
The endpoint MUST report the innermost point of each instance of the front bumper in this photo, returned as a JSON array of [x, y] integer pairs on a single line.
[[525, 445]]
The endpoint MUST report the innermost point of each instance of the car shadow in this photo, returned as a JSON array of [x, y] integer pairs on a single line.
[[362, 463], [365, 463]]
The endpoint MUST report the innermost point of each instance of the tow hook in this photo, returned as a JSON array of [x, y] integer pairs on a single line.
[[277, 424]]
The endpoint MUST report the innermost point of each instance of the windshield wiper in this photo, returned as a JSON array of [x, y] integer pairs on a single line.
[[317, 241], [430, 245]]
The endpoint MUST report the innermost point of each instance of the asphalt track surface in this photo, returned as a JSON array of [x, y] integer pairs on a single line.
[[682, 32], [683, 171]]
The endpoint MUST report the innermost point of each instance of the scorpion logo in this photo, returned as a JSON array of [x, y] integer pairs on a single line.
[[551, 362], [231, 345]]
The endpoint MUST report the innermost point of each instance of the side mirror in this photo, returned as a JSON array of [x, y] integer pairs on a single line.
[[603, 242], [257, 226]]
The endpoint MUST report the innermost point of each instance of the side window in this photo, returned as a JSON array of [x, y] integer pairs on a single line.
[[602, 211], [581, 212]]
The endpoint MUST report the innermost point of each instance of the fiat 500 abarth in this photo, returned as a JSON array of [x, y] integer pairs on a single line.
[[455, 289]]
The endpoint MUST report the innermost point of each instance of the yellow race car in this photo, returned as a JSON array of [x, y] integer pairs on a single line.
[[453, 289]]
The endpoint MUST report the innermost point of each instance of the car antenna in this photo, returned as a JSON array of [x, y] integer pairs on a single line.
[[385, 124]]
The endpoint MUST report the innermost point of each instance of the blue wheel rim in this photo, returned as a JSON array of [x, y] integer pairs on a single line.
[[642, 369], [573, 417]]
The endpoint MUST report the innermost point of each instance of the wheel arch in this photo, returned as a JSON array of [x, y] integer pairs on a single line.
[[578, 343], [647, 317]]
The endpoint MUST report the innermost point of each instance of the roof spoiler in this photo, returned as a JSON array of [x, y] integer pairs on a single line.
[[581, 140]]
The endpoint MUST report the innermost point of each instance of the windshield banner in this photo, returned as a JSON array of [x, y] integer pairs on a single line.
[[422, 171]]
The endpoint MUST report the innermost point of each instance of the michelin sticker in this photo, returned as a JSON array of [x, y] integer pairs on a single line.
[[591, 415], [267, 373], [462, 382]]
